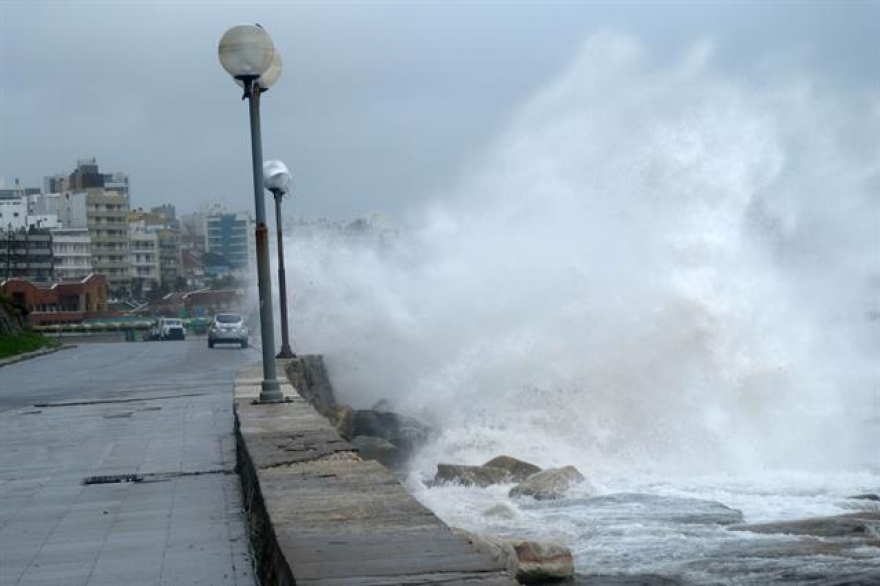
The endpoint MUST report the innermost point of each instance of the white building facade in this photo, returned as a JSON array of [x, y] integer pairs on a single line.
[[72, 250], [144, 258]]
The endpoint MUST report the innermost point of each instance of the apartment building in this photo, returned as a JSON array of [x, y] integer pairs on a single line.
[[104, 213], [230, 237], [26, 254], [72, 252], [144, 259]]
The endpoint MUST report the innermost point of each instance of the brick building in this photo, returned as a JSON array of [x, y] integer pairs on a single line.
[[61, 303]]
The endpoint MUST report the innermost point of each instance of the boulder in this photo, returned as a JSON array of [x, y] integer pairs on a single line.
[[538, 562], [864, 524], [548, 484], [481, 476], [502, 469], [866, 497], [517, 469], [500, 511], [404, 432], [529, 562], [378, 449]]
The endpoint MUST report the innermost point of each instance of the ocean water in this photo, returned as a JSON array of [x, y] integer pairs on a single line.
[[676, 527], [661, 273]]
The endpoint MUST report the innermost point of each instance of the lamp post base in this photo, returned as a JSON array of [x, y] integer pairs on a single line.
[[271, 393], [285, 352]]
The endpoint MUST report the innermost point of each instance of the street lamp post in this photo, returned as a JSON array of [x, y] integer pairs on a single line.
[[249, 56], [277, 179]]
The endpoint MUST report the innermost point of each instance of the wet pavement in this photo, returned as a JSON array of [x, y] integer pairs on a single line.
[[117, 467]]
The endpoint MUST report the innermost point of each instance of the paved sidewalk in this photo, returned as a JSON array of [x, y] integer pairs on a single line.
[[181, 523]]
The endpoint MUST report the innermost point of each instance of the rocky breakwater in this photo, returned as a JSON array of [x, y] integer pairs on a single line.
[[376, 434], [853, 538], [528, 561], [320, 515]]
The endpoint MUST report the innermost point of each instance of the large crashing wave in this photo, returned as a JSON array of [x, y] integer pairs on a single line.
[[658, 265]]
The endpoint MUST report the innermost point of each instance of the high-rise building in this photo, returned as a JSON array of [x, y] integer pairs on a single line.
[[167, 242], [169, 257], [230, 242], [99, 203], [104, 213], [85, 176], [55, 183], [144, 258]]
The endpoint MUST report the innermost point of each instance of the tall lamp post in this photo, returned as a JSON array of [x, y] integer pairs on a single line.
[[247, 53], [277, 180]]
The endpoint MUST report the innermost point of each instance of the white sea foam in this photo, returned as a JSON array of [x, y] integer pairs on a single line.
[[657, 268]]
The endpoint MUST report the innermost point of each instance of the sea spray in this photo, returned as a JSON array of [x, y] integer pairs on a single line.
[[657, 267]]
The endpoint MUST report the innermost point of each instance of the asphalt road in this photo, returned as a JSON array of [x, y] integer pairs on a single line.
[[94, 370], [123, 472]]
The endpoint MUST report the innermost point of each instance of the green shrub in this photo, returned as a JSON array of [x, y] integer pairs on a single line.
[[26, 341]]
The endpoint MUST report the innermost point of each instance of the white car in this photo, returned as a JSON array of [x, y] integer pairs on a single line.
[[228, 328], [171, 328]]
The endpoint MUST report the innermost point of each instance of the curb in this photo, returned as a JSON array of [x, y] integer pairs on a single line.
[[34, 354]]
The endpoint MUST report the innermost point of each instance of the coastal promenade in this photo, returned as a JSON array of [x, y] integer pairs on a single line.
[[117, 467], [322, 516]]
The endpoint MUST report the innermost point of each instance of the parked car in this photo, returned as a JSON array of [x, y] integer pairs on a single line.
[[228, 328], [171, 328]]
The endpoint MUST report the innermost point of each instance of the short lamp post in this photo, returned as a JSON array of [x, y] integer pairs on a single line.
[[277, 180], [249, 56]]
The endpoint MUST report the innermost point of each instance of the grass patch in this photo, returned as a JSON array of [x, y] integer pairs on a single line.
[[26, 341]]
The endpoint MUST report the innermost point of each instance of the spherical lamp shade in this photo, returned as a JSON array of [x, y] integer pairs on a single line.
[[276, 177], [271, 75], [246, 50]]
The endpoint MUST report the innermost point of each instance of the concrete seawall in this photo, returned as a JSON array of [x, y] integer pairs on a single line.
[[320, 515]]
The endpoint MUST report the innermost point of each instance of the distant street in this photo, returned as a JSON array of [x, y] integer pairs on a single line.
[[157, 415], [119, 369]]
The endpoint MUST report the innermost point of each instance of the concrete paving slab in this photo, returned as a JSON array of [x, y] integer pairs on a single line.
[[54, 529]]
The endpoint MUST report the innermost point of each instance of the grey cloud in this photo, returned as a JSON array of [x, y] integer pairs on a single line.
[[381, 104]]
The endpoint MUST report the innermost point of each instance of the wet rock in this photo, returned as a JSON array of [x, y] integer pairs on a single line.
[[500, 511], [632, 506], [549, 484], [865, 524], [529, 562], [865, 497], [785, 559], [481, 476], [540, 562], [404, 432], [378, 449], [517, 469], [502, 469]]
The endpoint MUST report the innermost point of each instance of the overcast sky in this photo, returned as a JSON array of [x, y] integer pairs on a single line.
[[381, 105]]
